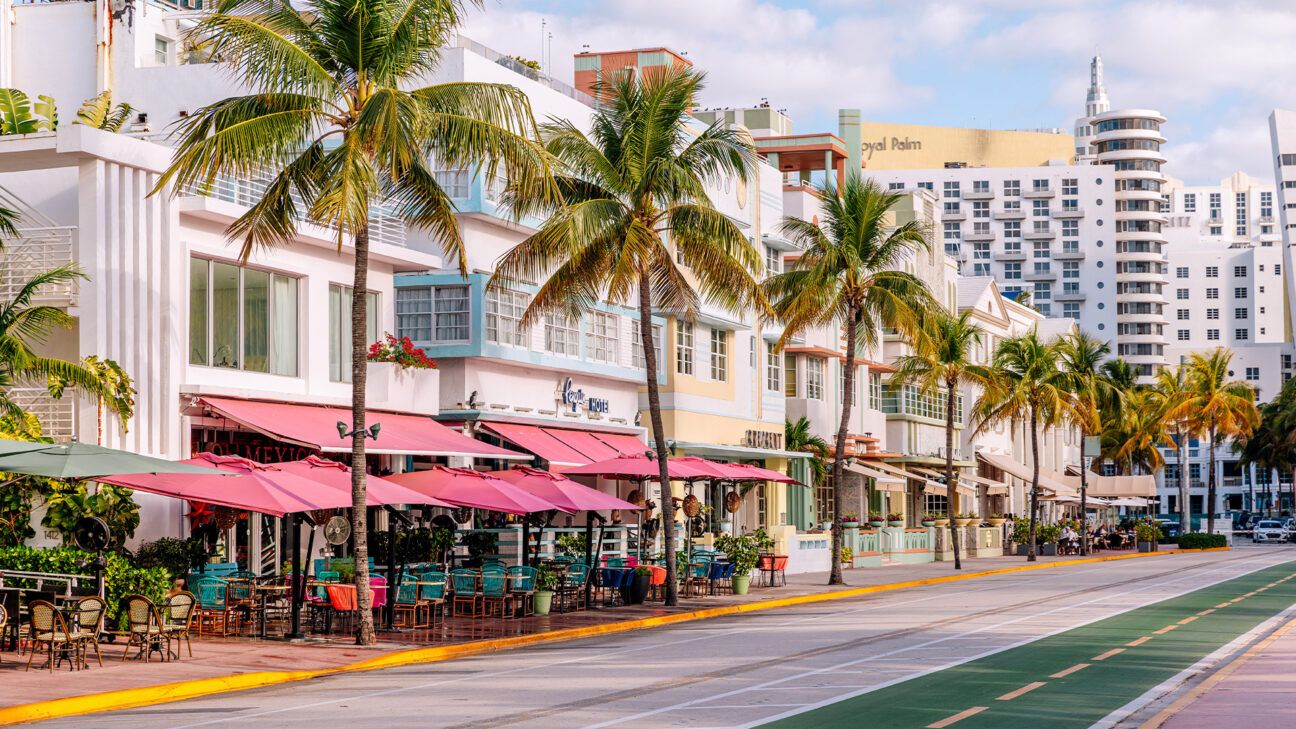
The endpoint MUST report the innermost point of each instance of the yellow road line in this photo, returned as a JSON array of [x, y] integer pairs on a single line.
[[165, 693], [1069, 671], [957, 717], [1023, 690], [1215, 678], [1108, 654], [1187, 620], [1139, 641], [1207, 611], [1164, 630], [1224, 604]]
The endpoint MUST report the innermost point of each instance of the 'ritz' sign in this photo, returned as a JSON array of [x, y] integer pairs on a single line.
[[574, 399]]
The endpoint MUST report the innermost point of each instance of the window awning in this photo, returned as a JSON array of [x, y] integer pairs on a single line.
[[994, 488], [536, 440], [625, 445], [315, 426], [1023, 472], [882, 480], [1119, 487], [965, 480]]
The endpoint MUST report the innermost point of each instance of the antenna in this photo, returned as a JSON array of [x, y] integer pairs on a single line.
[[543, 29]]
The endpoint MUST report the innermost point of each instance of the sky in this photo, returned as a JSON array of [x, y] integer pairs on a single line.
[[1214, 68]]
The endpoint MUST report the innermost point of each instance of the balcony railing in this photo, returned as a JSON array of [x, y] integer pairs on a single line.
[[35, 251], [909, 400], [57, 417]]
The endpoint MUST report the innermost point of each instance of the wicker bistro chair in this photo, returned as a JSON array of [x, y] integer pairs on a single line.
[[465, 592], [522, 583], [177, 620], [90, 613], [432, 591], [216, 614], [144, 628], [495, 592], [408, 610], [49, 629]]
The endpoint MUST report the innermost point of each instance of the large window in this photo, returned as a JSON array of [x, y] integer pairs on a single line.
[[636, 345], [684, 348], [719, 355], [789, 375], [432, 314], [814, 378], [601, 336], [242, 318], [773, 369], [504, 309], [561, 335], [340, 329]]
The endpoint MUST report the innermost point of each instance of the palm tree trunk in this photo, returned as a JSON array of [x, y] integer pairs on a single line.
[[951, 488], [1185, 510], [1084, 503], [1034, 494], [839, 452], [359, 364], [659, 435], [1210, 488]]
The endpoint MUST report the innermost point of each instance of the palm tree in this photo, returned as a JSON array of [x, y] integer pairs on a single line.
[[1027, 386], [943, 359], [23, 327], [1081, 359], [8, 224], [798, 437], [337, 115], [1121, 374], [848, 277], [636, 180], [1170, 390], [1272, 446], [1218, 407], [1132, 440]]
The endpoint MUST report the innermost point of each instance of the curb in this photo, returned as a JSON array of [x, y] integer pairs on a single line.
[[183, 690]]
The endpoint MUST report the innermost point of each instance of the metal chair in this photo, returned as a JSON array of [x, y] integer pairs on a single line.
[[47, 628], [432, 588], [90, 613], [522, 581], [408, 610], [464, 582], [571, 591], [215, 613], [495, 592], [144, 628], [177, 620]]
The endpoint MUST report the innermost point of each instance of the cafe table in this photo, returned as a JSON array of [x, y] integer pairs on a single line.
[[265, 592]]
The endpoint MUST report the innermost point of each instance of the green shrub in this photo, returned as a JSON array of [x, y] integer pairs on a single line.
[[1048, 533], [1199, 540], [1147, 531], [177, 556], [121, 576]]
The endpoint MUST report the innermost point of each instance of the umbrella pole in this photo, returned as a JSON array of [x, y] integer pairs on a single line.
[[393, 587], [524, 558], [298, 579], [589, 538]]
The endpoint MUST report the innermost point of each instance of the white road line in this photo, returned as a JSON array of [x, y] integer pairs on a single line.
[[1231, 569]]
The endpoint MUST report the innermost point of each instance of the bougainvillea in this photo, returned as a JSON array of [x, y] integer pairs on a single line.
[[401, 351]]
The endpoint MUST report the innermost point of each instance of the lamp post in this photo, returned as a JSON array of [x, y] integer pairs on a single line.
[[372, 433]]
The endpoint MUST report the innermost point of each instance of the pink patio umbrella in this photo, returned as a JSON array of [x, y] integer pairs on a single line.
[[642, 468], [562, 492], [748, 472], [465, 487], [379, 491]]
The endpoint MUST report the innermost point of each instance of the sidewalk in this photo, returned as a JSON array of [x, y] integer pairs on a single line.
[[216, 658]]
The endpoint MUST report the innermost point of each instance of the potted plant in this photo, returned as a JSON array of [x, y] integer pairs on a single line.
[[996, 520], [930, 518], [895, 519], [964, 519], [941, 520], [876, 519], [744, 552], [542, 598], [1147, 534], [850, 521], [847, 557], [571, 545], [637, 592], [1047, 536]]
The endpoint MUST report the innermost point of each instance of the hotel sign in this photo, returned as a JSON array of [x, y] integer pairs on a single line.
[[575, 399], [771, 440], [896, 144]]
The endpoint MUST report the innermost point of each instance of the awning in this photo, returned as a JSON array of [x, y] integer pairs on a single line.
[[535, 440], [625, 445], [1118, 487], [734, 451], [882, 480], [936, 487], [1023, 472], [993, 488], [315, 426], [965, 488]]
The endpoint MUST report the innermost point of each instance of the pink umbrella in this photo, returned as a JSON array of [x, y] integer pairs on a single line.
[[561, 491], [335, 475], [260, 488], [465, 487], [639, 467], [748, 472]]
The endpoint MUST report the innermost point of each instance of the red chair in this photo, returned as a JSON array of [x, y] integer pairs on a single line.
[[656, 581], [341, 603], [774, 571]]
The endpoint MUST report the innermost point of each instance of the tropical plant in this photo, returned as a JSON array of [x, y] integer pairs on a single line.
[[1132, 439], [400, 351], [67, 503], [546, 580], [19, 115], [743, 551], [121, 576], [100, 113], [336, 115], [636, 179], [799, 437], [8, 224], [116, 394], [848, 276], [1170, 390], [17, 495], [1272, 446], [177, 556], [24, 326], [572, 544], [1217, 407], [1027, 386], [1121, 374], [1081, 359], [942, 362]]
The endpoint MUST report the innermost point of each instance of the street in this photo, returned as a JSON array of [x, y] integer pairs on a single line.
[[1061, 647]]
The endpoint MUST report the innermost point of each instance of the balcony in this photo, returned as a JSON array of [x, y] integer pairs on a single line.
[[57, 416], [1070, 296], [1008, 214], [1049, 275], [1010, 255], [37, 250], [1038, 194], [953, 216], [1065, 255], [979, 195], [979, 237], [1040, 234], [1068, 213], [912, 402]]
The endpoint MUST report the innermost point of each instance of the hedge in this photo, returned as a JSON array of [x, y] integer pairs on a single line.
[[121, 577], [1201, 540]]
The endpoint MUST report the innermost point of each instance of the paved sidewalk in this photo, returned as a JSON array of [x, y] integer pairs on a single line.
[[219, 657]]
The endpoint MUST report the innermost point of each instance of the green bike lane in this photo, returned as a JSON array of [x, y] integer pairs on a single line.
[[1074, 678]]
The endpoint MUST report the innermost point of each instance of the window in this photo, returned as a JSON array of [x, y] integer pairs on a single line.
[[1181, 314], [561, 335], [953, 231], [1266, 204], [719, 355], [161, 50], [1070, 269], [1183, 335], [1040, 226], [1012, 188], [504, 309], [1212, 314], [601, 336], [925, 186], [1070, 228], [1070, 186], [980, 209], [1277, 269], [684, 348], [1040, 185], [1241, 271], [1190, 203], [1181, 272], [636, 345], [789, 375], [1012, 271], [340, 330], [1241, 335], [1012, 229], [1253, 374], [1212, 293], [1239, 292], [1212, 272], [773, 261], [814, 378], [951, 189], [1240, 312], [980, 186], [1216, 230], [1071, 310], [1212, 335], [1041, 249], [242, 318], [895, 186], [1214, 206], [1043, 292], [1181, 294], [1012, 205], [773, 369], [1040, 208], [951, 208]]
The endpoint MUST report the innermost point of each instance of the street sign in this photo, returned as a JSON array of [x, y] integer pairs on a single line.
[[1092, 446]]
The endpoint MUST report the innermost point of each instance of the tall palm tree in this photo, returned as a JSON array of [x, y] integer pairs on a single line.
[[633, 189], [799, 437], [943, 360], [1170, 390], [1132, 440], [1217, 406], [848, 277], [1027, 387], [337, 114], [1272, 446], [1121, 374], [8, 223], [1081, 359]]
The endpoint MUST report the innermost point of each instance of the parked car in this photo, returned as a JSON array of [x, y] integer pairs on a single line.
[[1269, 530], [1170, 527]]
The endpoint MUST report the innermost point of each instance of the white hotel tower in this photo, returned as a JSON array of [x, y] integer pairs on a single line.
[[1129, 141]]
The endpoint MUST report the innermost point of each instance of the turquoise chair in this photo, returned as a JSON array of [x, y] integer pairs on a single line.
[[495, 592], [432, 590], [465, 592], [571, 592], [215, 614], [410, 611], [616, 562], [522, 583], [325, 576]]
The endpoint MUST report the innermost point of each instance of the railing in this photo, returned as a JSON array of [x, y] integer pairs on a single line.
[[909, 400], [37, 580], [57, 416], [35, 251], [917, 539], [463, 41]]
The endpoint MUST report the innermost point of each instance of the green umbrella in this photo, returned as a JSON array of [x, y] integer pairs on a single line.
[[10, 447], [80, 461]]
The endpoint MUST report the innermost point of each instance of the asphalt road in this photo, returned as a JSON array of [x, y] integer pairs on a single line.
[[910, 658]]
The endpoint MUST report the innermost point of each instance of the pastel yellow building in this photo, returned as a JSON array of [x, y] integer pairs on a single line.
[[884, 146]]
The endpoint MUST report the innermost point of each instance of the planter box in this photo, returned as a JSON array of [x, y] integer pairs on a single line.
[[389, 385], [1044, 550], [1147, 546]]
